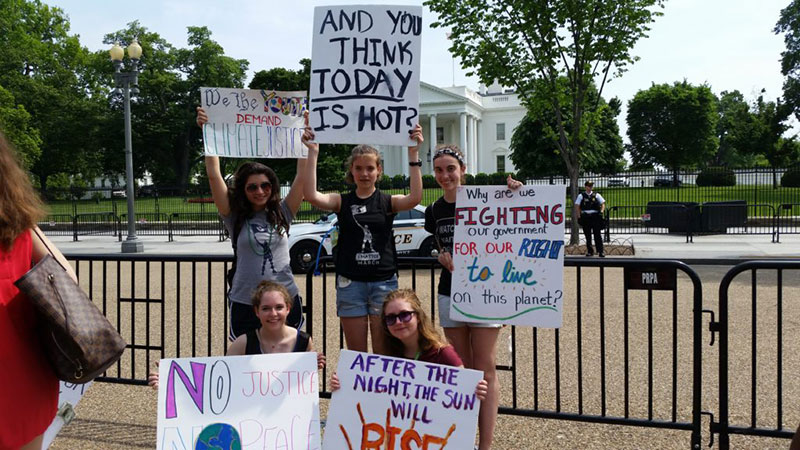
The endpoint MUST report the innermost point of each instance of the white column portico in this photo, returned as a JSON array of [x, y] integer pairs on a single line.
[[432, 143], [473, 148], [462, 135], [478, 124]]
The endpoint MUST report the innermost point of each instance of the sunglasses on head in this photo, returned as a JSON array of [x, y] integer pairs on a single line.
[[403, 316], [254, 187]]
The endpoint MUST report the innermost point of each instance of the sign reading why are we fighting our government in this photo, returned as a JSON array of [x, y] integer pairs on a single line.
[[401, 404], [261, 402], [365, 62], [253, 123], [508, 253]]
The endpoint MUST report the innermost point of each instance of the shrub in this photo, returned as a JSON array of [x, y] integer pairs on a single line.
[[716, 176], [499, 178], [469, 179], [482, 179], [429, 182], [791, 178], [399, 181], [385, 182]]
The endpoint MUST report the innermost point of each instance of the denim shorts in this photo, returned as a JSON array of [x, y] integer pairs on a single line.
[[361, 298], [444, 316]]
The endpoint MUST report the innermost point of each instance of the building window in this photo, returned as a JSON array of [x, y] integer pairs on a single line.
[[439, 135], [501, 163], [501, 132]]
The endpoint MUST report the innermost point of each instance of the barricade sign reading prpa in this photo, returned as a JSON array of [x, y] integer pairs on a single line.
[[651, 278], [508, 254], [365, 62], [397, 404], [269, 401], [253, 123]]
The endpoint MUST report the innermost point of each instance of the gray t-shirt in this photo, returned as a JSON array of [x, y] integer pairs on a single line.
[[262, 254]]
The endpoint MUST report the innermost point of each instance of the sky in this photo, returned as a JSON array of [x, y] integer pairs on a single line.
[[727, 44]]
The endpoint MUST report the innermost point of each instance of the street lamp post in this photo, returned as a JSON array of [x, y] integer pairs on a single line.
[[123, 81]]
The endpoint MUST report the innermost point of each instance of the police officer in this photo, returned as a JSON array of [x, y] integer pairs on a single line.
[[590, 206]]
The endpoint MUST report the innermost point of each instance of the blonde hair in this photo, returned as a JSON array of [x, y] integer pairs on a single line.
[[428, 338], [271, 286], [361, 150], [20, 205]]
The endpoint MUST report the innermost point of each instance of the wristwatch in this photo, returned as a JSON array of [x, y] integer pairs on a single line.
[[417, 163]]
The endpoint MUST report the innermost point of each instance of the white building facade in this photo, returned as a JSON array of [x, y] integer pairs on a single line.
[[480, 123]]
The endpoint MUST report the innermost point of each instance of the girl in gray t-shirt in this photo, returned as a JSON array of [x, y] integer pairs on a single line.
[[255, 215]]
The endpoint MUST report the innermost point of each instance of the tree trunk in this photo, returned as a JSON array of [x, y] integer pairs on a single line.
[[774, 178], [575, 236]]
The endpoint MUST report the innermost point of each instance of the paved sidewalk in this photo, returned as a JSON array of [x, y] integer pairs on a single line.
[[646, 246]]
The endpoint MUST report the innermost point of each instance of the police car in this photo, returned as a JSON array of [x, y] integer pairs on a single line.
[[410, 238]]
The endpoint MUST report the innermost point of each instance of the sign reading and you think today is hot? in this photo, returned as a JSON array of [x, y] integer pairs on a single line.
[[508, 254], [365, 64]]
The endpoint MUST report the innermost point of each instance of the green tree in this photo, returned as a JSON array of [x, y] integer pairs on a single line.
[[734, 119], [15, 124], [763, 135], [789, 25], [43, 67], [534, 145], [530, 44], [673, 125], [281, 79]]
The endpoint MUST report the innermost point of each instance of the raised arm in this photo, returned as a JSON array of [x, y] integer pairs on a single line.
[[406, 202], [295, 197], [327, 202], [219, 189]]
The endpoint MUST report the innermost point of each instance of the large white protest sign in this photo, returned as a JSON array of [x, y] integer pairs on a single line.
[[508, 254], [392, 403], [262, 401], [69, 394], [365, 74], [253, 123]]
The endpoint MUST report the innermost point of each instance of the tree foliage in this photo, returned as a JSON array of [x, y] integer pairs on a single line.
[[530, 44], [789, 25], [734, 118], [534, 146], [15, 124], [673, 125]]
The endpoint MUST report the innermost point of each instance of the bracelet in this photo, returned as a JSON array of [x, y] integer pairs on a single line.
[[417, 163]]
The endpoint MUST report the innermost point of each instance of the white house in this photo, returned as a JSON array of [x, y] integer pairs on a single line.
[[480, 123]]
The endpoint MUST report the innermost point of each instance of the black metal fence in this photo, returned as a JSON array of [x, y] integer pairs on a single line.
[[628, 353]]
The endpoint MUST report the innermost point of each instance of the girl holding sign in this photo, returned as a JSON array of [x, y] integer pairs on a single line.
[[366, 269], [474, 342], [271, 303], [258, 222]]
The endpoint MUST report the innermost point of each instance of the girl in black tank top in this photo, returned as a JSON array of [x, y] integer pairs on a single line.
[[366, 266]]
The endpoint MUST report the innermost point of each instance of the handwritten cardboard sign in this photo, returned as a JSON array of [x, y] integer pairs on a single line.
[[393, 404], [69, 395], [509, 255], [365, 62], [271, 401], [252, 123]]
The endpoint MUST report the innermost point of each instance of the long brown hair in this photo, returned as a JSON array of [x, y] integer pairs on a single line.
[[241, 207], [20, 206], [428, 337]]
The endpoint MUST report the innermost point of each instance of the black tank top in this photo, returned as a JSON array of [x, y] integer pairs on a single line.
[[366, 250], [253, 346]]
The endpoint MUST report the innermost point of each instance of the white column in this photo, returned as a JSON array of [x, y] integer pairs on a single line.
[[432, 147], [478, 142], [473, 148], [462, 137], [404, 160]]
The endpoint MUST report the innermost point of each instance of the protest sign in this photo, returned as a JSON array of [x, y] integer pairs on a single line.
[[508, 254], [262, 401], [391, 403], [69, 394], [365, 63], [253, 123]]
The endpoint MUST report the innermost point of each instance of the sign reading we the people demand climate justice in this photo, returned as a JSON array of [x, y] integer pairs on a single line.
[[253, 123], [261, 402], [508, 254], [401, 404], [365, 64]]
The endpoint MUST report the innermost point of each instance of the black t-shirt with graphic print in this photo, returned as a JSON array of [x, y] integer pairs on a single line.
[[366, 250], [440, 222]]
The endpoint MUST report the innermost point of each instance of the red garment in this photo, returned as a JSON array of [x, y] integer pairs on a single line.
[[28, 387], [446, 356]]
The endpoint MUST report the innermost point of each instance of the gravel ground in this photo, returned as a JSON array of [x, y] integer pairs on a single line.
[[115, 416]]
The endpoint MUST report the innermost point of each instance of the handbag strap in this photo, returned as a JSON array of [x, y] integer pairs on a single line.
[[41, 239]]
